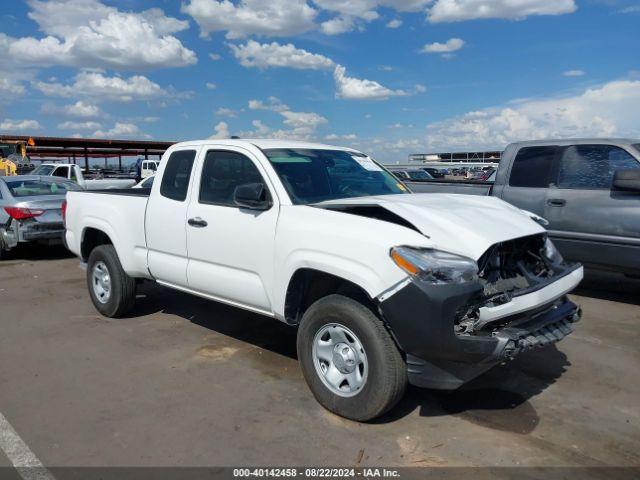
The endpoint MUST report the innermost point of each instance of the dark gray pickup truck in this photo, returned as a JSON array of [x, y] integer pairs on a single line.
[[588, 190]]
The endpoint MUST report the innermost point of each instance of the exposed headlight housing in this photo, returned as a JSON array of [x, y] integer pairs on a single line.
[[550, 252], [435, 266]]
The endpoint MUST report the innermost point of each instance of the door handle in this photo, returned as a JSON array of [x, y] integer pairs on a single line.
[[556, 202], [197, 222]]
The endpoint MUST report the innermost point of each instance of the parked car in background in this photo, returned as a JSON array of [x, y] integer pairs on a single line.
[[487, 174], [146, 183], [73, 172], [411, 174], [384, 286], [434, 172], [145, 168], [588, 190], [30, 210]]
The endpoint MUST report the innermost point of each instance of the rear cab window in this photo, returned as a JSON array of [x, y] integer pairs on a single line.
[[61, 172], [532, 167], [177, 173]]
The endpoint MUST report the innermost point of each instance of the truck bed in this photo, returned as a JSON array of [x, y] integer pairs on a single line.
[[120, 214], [132, 192], [462, 187]]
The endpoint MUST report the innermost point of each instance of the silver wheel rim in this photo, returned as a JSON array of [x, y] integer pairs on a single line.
[[101, 282], [340, 360]]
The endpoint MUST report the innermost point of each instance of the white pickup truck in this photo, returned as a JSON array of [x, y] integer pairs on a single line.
[[384, 286], [73, 172]]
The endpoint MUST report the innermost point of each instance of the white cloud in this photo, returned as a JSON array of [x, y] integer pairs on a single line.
[[361, 89], [221, 131], [100, 87], [82, 109], [214, 56], [87, 33], [337, 25], [630, 9], [450, 46], [276, 18], [260, 130], [211, 86], [573, 73], [25, 126], [303, 119], [226, 112], [9, 88], [334, 136], [273, 103], [354, 13], [254, 54], [366, 9], [608, 110], [79, 125], [303, 125], [459, 10], [122, 130]]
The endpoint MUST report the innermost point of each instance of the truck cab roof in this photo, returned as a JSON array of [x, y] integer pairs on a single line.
[[578, 141], [263, 143]]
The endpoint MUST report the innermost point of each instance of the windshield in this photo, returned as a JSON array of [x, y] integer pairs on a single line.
[[312, 176], [43, 170], [31, 188], [419, 175]]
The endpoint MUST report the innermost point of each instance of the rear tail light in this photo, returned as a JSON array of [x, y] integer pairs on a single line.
[[63, 211], [19, 213]]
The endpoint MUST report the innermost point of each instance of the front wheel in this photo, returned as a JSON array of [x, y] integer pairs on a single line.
[[349, 359], [112, 291]]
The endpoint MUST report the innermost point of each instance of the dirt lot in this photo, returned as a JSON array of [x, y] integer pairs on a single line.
[[185, 381]]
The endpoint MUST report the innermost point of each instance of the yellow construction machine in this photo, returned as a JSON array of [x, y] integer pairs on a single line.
[[13, 154]]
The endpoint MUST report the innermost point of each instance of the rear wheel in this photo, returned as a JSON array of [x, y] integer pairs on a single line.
[[112, 291], [349, 359]]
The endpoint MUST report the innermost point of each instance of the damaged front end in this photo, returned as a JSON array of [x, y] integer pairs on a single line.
[[454, 332]]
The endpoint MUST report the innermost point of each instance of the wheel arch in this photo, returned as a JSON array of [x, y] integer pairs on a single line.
[[308, 285], [93, 237]]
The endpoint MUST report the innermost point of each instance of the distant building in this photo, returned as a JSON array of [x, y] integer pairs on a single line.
[[450, 157]]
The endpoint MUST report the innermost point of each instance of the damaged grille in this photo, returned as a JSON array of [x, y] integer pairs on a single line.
[[507, 269], [512, 266]]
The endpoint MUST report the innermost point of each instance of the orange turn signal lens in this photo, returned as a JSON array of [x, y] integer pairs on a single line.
[[403, 263]]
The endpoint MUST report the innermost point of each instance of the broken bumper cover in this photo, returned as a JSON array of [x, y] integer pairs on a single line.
[[19, 232], [42, 231], [421, 317]]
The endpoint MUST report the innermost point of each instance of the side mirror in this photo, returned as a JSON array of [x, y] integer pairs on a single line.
[[627, 180], [253, 196]]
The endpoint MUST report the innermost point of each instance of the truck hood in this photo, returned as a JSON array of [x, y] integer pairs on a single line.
[[464, 224]]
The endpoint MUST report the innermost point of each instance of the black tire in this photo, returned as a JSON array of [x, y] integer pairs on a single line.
[[122, 295], [386, 379]]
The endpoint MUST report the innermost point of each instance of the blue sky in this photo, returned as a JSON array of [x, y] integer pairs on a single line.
[[390, 77]]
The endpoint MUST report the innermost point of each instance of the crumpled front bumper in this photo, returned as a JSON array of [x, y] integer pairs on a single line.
[[421, 317]]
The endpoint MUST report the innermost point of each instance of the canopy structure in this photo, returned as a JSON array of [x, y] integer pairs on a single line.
[[77, 149]]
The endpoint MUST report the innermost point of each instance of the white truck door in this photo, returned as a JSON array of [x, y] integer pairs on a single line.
[[231, 248], [166, 219]]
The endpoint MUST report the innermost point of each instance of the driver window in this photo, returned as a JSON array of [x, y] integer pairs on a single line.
[[222, 172], [589, 167]]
